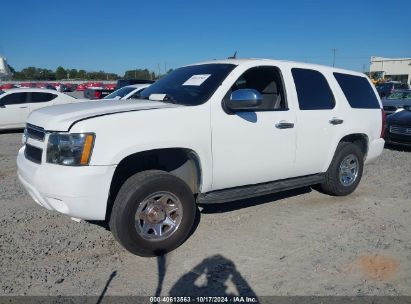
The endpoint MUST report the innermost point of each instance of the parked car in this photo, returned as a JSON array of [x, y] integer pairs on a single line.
[[110, 86], [27, 85], [126, 82], [16, 104], [385, 89], [96, 92], [50, 87], [81, 87], [64, 88], [128, 92], [211, 132], [396, 100], [7, 86], [398, 129]]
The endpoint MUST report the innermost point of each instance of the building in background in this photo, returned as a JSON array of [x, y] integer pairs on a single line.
[[5, 73], [391, 69]]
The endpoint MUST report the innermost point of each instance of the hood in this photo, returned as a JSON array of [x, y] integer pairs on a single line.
[[402, 118], [62, 117]]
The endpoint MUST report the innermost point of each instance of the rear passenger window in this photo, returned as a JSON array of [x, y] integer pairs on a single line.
[[42, 97], [358, 91], [313, 90]]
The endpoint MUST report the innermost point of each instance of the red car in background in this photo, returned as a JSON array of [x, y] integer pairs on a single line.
[[28, 85], [81, 87], [7, 86]]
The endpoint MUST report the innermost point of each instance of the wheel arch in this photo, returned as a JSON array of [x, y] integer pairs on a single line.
[[181, 162], [360, 139]]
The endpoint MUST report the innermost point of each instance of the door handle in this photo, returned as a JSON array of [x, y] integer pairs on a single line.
[[23, 107], [284, 125], [336, 121]]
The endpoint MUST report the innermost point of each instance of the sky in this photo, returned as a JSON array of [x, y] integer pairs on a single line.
[[115, 36]]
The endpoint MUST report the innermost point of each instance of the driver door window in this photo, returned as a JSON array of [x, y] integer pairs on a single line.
[[266, 80]]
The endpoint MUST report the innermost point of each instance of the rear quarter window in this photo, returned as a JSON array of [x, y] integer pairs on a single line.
[[37, 97], [358, 91]]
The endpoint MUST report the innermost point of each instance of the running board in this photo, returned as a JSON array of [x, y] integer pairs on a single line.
[[238, 193]]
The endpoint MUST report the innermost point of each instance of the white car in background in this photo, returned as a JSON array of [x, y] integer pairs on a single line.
[[17, 104], [128, 92]]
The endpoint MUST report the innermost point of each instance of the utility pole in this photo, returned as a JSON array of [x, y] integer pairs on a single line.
[[159, 70], [165, 68], [334, 50]]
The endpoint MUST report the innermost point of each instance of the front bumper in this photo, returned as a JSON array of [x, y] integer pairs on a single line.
[[80, 192]]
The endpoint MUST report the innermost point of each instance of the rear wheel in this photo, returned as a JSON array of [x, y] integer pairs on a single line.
[[345, 171], [153, 213]]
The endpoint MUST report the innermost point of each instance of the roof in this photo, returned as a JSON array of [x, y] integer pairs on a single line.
[[261, 61]]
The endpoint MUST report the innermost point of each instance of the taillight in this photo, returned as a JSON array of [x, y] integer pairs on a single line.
[[97, 94], [383, 123]]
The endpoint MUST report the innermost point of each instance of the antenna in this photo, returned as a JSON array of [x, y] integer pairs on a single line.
[[334, 50], [234, 56]]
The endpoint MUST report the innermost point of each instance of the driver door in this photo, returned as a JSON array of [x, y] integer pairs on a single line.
[[252, 147]]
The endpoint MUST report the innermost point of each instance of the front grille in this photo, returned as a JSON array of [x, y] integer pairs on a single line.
[[35, 132], [33, 153], [401, 130]]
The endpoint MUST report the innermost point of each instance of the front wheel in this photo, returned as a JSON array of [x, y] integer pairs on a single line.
[[345, 171], [153, 213]]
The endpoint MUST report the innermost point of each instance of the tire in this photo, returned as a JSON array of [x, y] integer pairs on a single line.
[[337, 185], [142, 210]]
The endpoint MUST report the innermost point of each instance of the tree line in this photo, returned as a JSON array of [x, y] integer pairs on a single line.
[[33, 73]]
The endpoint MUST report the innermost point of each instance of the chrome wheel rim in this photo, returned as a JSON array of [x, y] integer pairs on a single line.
[[158, 216], [349, 170]]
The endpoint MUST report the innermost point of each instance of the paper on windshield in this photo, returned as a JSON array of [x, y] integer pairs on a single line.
[[157, 97], [196, 80]]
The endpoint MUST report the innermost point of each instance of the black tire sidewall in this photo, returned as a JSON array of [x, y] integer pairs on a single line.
[[144, 187], [343, 151]]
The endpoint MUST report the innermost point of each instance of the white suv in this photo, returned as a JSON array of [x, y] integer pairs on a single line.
[[206, 133]]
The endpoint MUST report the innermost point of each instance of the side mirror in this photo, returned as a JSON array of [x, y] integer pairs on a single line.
[[2, 105], [244, 100]]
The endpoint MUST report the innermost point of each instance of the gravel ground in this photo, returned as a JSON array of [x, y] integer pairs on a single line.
[[294, 243]]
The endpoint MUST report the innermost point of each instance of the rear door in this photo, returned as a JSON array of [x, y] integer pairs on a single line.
[[318, 119], [13, 110]]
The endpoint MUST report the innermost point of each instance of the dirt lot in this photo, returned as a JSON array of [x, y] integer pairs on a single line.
[[294, 243]]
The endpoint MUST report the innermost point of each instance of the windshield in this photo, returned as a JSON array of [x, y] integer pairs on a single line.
[[191, 85], [400, 95], [120, 93]]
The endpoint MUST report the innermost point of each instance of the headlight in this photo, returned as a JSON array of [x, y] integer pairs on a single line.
[[70, 149]]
